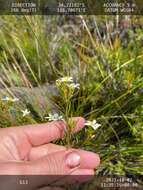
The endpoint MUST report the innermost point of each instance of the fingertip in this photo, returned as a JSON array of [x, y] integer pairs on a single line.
[[80, 121], [89, 160], [94, 160], [98, 159]]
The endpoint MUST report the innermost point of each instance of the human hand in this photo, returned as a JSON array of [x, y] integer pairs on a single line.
[[27, 150]]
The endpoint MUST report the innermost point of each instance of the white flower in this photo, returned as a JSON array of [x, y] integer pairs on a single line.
[[65, 79], [74, 85], [5, 98], [15, 99], [25, 112], [67, 84], [93, 124], [54, 117]]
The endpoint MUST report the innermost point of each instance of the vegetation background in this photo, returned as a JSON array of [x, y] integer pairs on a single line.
[[105, 55]]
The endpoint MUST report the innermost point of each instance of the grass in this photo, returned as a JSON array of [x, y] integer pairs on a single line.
[[104, 54]]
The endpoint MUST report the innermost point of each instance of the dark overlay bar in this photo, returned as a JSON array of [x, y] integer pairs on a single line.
[[71, 7], [35, 182]]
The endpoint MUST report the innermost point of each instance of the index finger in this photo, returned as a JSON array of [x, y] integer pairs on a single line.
[[44, 133]]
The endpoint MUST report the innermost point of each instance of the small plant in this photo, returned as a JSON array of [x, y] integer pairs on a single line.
[[67, 88]]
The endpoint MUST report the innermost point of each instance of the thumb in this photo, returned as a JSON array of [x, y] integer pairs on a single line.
[[63, 162], [58, 163]]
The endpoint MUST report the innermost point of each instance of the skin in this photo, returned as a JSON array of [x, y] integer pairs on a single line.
[[27, 150]]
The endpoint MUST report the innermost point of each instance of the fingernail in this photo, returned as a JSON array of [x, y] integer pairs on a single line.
[[73, 160]]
